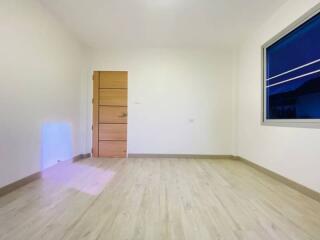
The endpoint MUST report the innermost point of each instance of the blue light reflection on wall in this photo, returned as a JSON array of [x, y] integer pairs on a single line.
[[56, 143]]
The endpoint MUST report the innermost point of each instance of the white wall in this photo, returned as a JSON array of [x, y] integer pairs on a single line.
[[40, 71], [291, 152], [180, 101]]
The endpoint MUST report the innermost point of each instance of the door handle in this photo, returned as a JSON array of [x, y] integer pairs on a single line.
[[124, 115]]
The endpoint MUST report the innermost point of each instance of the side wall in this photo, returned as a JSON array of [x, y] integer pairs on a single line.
[[40, 71], [291, 152], [180, 101]]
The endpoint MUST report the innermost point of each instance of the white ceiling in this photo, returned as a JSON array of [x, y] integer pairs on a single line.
[[162, 23]]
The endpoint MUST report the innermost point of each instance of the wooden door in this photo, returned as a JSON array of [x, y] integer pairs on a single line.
[[110, 110]]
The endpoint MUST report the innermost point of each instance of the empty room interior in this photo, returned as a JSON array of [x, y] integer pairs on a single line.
[[160, 119]]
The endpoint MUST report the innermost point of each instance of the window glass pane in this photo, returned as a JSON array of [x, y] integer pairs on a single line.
[[295, 99]]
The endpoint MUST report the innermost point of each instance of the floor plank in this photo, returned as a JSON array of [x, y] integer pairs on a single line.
[[158, 199]]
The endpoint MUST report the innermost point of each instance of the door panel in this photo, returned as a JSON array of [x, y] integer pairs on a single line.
[[114, 80], [113, 132], [113, 148], [110, 97], [113, 97], [112, 114]]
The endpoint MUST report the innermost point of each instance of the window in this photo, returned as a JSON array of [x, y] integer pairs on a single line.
[[292, 73]]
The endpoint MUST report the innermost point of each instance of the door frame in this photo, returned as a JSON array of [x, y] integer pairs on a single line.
[[95, 116]]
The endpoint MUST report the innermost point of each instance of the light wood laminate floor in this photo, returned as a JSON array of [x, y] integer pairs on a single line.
[[157, 199]]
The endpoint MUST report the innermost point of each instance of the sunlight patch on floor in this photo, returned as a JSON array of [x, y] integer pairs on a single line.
[[73, 176]]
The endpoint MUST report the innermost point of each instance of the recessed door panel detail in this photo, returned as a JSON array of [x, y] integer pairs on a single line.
[[112, 114], [117, 149], [113, 97], [117, 132]]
